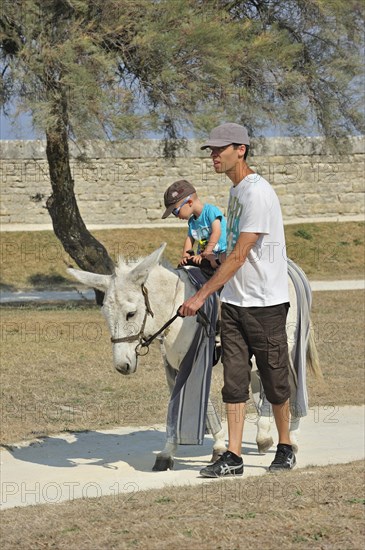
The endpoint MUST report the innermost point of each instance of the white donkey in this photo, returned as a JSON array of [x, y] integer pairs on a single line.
[[134, 313]]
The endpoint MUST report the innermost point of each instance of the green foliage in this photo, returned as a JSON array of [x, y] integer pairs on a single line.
[[303, 234], [356, 501], [123, 68]]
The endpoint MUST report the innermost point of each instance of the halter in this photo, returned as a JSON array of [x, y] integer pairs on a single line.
[[144, 342], [140, 337]]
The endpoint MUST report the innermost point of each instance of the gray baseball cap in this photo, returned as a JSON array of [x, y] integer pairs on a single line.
[[173, 194], [225, 134]]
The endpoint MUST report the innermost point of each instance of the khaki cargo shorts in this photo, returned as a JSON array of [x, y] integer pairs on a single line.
[[258, 331]]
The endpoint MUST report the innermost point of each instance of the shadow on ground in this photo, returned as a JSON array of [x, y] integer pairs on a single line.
[[137, 449], [54, 281]]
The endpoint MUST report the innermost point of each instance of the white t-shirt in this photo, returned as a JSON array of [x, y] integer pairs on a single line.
[[263, 279]]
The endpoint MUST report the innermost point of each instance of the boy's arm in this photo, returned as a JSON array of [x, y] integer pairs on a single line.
[[188, 245], [213, 239]]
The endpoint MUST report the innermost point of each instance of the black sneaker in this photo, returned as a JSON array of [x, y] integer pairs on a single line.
[[228, 464], [284, 459]]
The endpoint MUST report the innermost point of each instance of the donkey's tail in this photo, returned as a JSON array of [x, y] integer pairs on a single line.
[[312, 356]]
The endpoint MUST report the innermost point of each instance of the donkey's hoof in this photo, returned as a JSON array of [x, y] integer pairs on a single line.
[[217, 453], [162, 464], [264, 445]]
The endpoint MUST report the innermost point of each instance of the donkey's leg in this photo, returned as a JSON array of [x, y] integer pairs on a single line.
[[265, 420], [215, 428], [265, 416], [165, 458], [263, 438]]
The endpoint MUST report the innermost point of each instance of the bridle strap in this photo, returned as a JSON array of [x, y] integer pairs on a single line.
[[202, 319], [138, 336], [146, 300], [145, 342]]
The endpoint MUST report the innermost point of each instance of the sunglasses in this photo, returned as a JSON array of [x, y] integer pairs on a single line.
[[176, 210]]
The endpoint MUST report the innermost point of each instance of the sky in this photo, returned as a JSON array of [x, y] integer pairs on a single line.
[[20, 129]]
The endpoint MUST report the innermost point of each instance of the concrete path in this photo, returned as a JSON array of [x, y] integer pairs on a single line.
[[88, 295], [118, 462], [40, 296], [338, 285], [169, 223]]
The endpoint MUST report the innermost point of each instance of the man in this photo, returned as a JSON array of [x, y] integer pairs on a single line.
[[255, 299]]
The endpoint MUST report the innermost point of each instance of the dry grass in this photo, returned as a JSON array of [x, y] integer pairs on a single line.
[[37, 260], [313, 508], [338, 321], [57, 372]]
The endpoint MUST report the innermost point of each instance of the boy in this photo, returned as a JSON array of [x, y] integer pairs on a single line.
[[206, 226]]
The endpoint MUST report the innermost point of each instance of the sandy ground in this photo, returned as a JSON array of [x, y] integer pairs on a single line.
[[119, 461]]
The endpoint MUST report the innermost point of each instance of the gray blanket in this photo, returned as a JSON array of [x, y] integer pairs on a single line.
[[298, 356], [187, 410]]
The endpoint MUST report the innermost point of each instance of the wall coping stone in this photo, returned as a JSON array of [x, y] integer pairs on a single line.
[[152, 148]]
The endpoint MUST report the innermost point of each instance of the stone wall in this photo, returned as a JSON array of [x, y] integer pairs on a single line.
[[123, 183]]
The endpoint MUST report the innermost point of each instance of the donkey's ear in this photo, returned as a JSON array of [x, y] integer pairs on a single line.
[[140, 273], [91, 280]]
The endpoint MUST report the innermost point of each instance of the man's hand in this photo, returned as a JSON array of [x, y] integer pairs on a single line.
[[191, 306]]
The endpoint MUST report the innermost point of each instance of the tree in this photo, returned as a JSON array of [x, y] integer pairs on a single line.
[[107, 69], [118, 68], [301, 65]]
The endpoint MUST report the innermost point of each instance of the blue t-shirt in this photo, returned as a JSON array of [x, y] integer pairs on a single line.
[[200, 228]]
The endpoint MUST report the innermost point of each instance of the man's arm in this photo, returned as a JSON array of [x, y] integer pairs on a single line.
[[225, 272]]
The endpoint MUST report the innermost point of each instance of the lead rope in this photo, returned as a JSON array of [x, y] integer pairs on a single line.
[[147, 341]]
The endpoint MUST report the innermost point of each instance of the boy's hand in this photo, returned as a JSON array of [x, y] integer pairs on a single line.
[[211, 258], [184, 259], [186, 256], [197, 259]]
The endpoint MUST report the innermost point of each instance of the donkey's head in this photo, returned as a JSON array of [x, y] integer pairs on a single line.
[[125, 306]]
